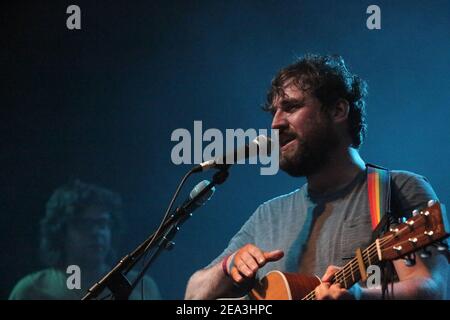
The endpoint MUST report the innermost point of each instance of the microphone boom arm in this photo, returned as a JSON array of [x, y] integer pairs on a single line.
[[115, 279]]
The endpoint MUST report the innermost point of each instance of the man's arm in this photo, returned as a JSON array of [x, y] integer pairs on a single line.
[[426, 279], [208, 284], [242, 266], [415, 282]]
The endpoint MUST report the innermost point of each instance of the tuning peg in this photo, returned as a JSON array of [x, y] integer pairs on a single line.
[[431, 203], [428, 233], [426, 213], [441, 246], [391, 229], [415, 212], [425, 254], [410, 260]]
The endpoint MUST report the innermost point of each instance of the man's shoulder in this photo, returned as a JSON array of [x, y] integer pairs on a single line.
[[34, 282], [407, 180], [412, 190], [41, 276], [402, 176]]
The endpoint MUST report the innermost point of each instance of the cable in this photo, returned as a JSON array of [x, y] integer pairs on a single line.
[[156, 234]]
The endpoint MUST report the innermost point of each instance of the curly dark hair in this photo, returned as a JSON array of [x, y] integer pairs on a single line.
[[329, 80], [66, 203]]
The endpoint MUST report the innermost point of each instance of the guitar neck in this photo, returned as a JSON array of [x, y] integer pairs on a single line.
[[425, 227], [351, 272]]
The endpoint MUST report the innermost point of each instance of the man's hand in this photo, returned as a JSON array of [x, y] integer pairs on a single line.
[[245, 262], [327, 291]]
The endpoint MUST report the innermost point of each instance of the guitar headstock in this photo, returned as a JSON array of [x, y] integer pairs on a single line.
[[424, 228]]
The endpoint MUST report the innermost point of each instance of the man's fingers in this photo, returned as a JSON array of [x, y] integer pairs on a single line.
[[246, 271], [247, 260], [273, 255], [337, 292], [331, 270], [326, 291], [250, 262], [236, 276], [322, 291], [245, 264], [262, 257], [258, 255]]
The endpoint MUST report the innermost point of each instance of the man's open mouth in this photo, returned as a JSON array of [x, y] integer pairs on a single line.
[[284, 140]]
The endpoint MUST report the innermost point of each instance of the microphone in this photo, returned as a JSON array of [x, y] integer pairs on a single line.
[[260, 143], [189, 205]]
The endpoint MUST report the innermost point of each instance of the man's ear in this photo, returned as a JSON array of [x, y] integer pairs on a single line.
[[340, 111]]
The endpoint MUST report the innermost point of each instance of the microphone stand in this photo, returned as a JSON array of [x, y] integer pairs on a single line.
[[115, 279]]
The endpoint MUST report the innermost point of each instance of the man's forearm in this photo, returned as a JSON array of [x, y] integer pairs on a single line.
[[209, 284], [419, 289]]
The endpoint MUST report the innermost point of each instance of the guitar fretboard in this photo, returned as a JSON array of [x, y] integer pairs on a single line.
[[350, 273]]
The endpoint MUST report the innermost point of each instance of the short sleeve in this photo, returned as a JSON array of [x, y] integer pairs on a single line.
[[411, 191], [414, 191], [244, 236], [23, 290]]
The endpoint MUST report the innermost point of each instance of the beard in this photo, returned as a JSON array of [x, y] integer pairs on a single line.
[[311, 152]]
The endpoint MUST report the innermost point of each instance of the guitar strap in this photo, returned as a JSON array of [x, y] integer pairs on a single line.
[[381, 214], [379, 197]]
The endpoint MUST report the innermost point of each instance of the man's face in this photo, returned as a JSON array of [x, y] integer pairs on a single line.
[[89, 236], [307, 134]]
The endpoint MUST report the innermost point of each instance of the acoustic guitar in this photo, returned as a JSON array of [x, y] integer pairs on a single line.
[[426, 227]]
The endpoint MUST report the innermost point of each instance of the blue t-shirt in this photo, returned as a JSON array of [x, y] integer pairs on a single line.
[[318, 230]]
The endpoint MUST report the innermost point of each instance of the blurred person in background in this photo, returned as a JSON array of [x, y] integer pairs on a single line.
[[81, 227]]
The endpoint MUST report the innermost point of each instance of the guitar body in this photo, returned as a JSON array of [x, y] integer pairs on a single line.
[[277, 285]]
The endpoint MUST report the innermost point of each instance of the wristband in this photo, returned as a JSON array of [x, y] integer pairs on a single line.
[[224, 265], [228, 263]]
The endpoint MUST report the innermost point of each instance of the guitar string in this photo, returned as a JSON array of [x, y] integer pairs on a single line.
[[347, 271], [353, 266], [342, 275]]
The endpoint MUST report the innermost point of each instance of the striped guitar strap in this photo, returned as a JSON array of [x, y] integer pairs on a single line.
[[379, 196]]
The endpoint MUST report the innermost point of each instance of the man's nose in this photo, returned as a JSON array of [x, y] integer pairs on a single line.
[[279, 120]]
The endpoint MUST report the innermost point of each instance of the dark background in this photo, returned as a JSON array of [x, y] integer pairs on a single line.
[[100, 104]]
